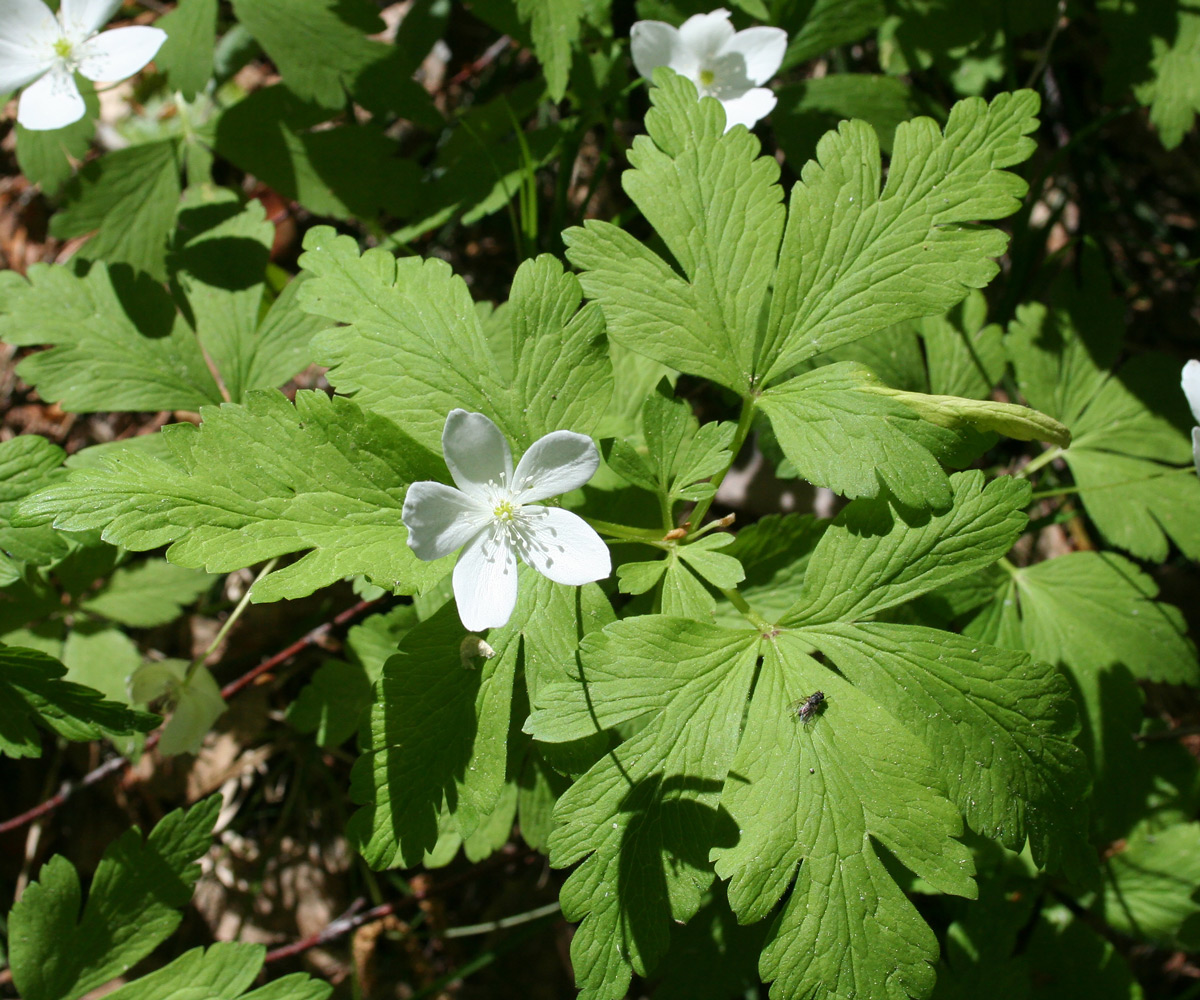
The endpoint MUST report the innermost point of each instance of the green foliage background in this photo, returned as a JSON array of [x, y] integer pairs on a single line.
[[947, 287]]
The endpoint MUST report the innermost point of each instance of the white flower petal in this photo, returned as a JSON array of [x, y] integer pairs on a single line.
[[1191, 387], [485, 583], [757, 53], [476, 452], [440, 519], [27, 26], [119, 53], [748, 108], [652, 44], [705, 34], [51, 102], [564, 547], [19, 67], [554, 464], [82, 17]]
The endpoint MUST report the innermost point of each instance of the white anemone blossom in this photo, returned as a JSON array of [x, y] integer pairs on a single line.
[[42, 52], [494, 518], [730, 66], [1191, 389]]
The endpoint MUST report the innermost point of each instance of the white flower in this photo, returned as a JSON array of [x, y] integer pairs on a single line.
[[1191, 389], [492, 516], [721, 63], [42, 52]]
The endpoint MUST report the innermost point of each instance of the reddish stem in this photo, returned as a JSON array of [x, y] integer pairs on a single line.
[[69, 788]]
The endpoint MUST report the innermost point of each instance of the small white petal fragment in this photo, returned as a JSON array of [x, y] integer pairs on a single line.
[[730, 66], [491, 516], [83, 17], [1191, 389], [760, 51], [485, 582], [557, 463], [565, 548], [441, 519], [51, 102], [119, 53], [476, 452], [653, 44]]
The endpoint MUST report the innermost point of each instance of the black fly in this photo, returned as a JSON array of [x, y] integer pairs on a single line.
[[810, 707]]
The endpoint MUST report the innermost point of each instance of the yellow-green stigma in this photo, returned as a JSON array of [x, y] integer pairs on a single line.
[[504, 511], [62, 48], [707, 77]]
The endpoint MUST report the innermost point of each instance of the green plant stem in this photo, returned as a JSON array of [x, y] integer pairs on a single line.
[[739, 602], [1007, 566], [1066, 490], [503, 922], [234, 615], [739, 438], [625, 532], [1045, 458]]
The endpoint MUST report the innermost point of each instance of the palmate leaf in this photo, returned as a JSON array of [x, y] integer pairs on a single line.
[[440, 726], [240, 489], [1150, 886], [416, 348], [1131, 451], [147, 594], [116, 340], [759, 791], [58, 953], [33, 693], [854, 258]]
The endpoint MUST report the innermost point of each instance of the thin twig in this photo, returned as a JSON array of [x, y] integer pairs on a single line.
[[485, 60], [352, 920], [69, 788]]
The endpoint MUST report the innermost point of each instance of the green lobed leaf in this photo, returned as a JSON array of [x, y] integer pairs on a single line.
[[416, 348], [855, 258], [27, 463], [348, 171], [775, 552], [333, 703], [186, 57], [34, 693], [1155, 47], [240, 489], [320, 46], [101, 658], [870, 558], [716, 205], [1131, 450], [147, 593], [645, 816], [58, 953], [999, 726], [840, 427], [116, 340], [554, 25], [828, 792], [438, 731], [1090, 610], [128, 196], [1150, 886]]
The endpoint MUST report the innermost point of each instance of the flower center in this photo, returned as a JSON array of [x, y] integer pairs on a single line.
[[62, 48], [504, 511], [707, 76]]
